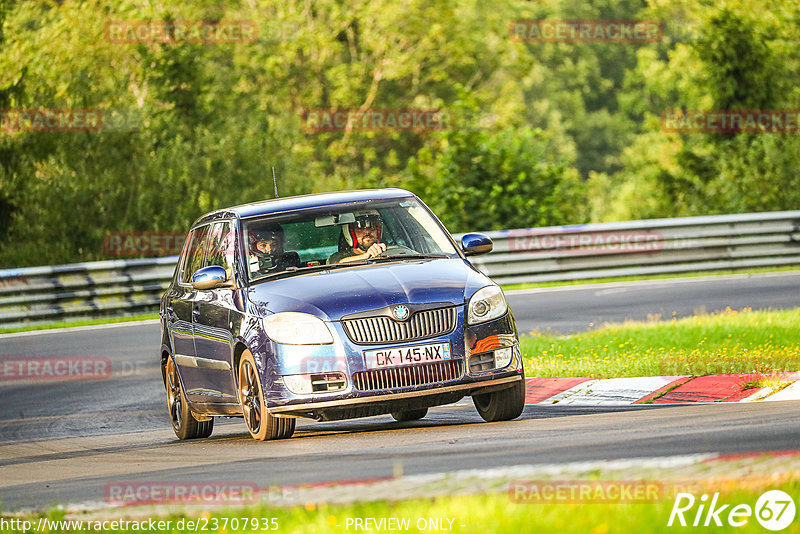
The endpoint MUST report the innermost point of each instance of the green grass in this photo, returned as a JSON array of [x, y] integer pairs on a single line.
[[767, 381], [530, 285], [82, 322], [495, 513], [727, 342]]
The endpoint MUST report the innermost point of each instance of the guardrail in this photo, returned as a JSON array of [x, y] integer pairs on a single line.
[[649, 247], [38, 295], [604, 250]]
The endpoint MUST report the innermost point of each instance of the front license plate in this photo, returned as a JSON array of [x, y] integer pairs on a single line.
[[396, 356]]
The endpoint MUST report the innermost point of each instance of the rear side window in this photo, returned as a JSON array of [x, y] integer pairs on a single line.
[[197, 244]]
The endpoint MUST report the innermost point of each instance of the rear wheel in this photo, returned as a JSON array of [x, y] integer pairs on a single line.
[[410, 415], [183, 422], [502, 405], [261, 424]]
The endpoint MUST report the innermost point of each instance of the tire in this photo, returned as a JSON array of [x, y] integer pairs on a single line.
[[260, 423], [502, 405], [183, 422], [410, 415]]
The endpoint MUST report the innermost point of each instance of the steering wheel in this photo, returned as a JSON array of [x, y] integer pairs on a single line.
[[393, 250]]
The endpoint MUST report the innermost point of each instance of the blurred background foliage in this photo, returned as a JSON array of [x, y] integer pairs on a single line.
[[544, 133]]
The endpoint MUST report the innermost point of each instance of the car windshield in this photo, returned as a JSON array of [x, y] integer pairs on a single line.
[[285, 244]]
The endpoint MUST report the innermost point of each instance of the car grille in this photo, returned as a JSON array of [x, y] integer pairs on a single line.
[[403, 377], [421, 325]]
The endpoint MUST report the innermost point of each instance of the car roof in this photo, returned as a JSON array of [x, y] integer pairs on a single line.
[[302, 202]]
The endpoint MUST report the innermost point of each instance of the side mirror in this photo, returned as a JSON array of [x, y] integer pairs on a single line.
[[474, 244], [209, 277]]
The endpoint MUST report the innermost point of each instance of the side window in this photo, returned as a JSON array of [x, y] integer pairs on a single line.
[[185, 253], [220, 250], [197, 245]]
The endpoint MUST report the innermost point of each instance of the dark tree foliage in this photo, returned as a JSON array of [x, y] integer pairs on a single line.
[[543, 133]]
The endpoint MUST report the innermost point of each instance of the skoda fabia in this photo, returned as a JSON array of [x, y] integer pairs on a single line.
[[333, 306]]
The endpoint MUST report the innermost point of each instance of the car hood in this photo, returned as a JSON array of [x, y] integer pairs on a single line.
[[338, 292]]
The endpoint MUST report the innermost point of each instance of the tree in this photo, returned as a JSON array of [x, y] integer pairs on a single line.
[[480, 180]]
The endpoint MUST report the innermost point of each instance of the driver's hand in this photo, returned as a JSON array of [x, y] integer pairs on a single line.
[[376, 249]]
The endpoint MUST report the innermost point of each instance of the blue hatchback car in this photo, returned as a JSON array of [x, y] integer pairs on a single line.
[[333, 306]]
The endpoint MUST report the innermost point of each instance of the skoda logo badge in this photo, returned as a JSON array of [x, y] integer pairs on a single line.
[[400, 313]]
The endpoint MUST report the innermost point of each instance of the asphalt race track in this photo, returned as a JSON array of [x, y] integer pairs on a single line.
[[577, 308], [62, 442]]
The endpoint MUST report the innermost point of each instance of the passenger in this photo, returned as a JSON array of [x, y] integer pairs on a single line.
[[362, 238], [266, 251]]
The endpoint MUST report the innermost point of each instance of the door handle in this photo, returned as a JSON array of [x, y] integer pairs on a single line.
[[196, 313], [171, 317]]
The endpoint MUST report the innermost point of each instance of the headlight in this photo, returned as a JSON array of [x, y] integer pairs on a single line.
[[486, 304], [293, 328]]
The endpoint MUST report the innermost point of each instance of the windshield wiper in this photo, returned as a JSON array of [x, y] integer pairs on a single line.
[[289, 271], [416, 256]]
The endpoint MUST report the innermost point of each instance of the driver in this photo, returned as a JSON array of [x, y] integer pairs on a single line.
[[266, 250], [363, 238]]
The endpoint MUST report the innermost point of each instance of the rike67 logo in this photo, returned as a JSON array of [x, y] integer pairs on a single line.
[[774, 510]]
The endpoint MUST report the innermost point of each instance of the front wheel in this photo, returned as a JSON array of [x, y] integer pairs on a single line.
[[410, 415], [502, 405], [261, 424], [183, 422]]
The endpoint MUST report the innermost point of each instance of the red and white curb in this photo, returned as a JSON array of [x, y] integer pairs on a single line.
[[658, 390]]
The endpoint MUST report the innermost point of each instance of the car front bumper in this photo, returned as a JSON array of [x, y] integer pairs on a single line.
[[473, 349]]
